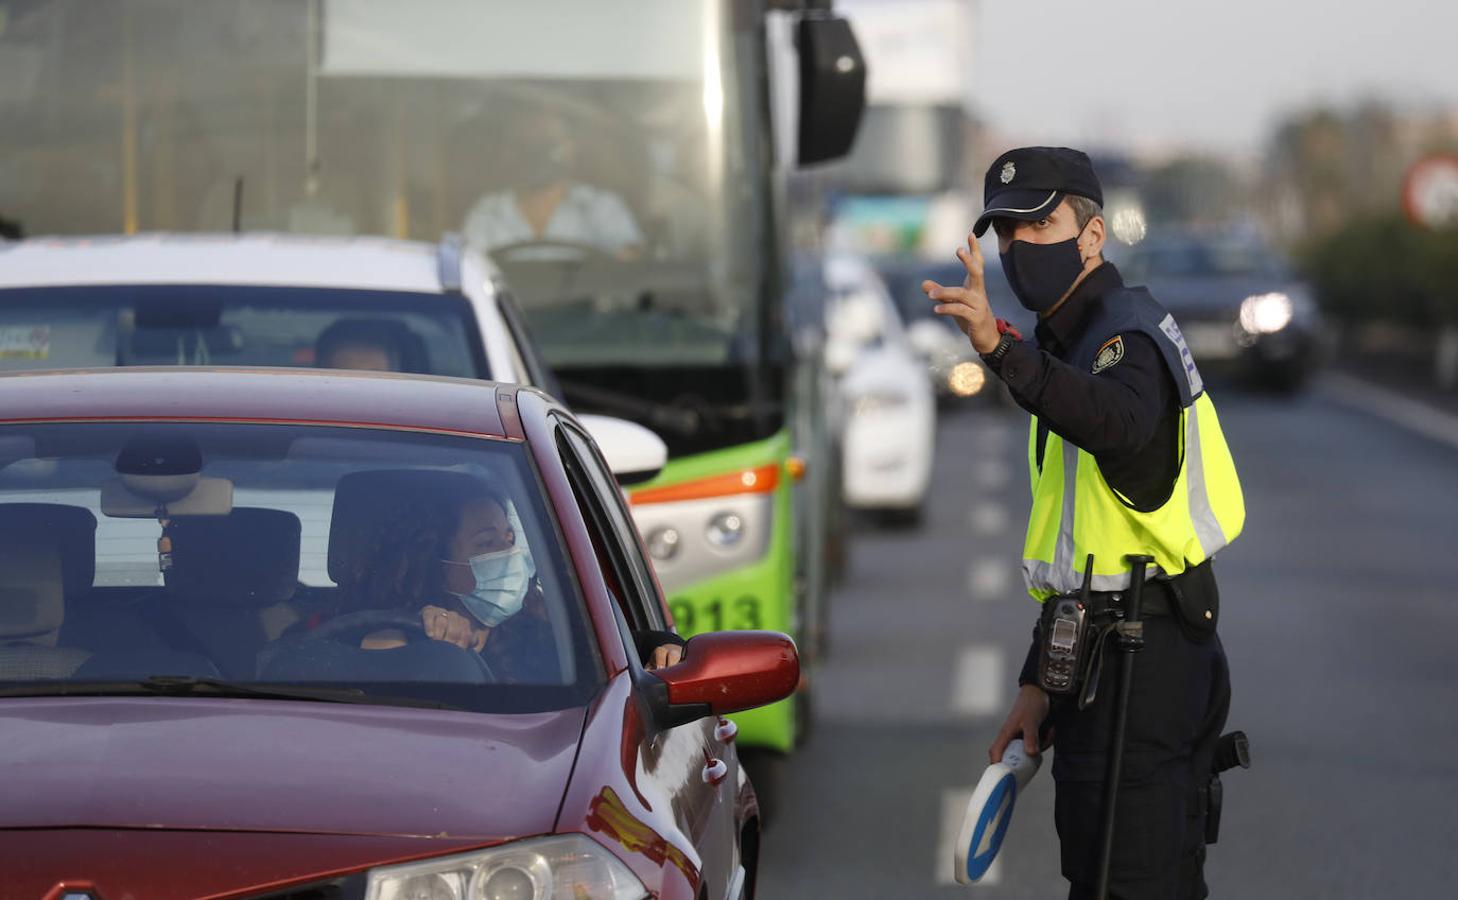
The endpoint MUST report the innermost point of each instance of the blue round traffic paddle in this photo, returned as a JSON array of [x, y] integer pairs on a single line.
[[990, 810]]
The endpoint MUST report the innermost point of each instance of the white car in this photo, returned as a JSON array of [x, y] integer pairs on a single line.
[[256, 299], [889, 429], [278, 300]]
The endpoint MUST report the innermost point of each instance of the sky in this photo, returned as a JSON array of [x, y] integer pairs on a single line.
[[1161, 75]]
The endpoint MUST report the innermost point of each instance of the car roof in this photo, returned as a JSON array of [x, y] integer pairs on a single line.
[[293, 396], [262, 259]]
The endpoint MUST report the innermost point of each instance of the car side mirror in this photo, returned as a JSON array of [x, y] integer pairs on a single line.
[[633, 453], [724, 672]]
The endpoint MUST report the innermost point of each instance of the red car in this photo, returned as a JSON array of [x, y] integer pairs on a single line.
[[305, 635]]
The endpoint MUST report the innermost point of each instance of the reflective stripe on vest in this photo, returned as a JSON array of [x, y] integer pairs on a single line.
[[1076, 512]]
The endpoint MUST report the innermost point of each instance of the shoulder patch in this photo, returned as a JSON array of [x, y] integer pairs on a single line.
[[1109, 354]]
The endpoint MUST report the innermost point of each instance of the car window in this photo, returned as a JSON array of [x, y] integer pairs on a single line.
[[297, 554], [637, 588], [163, 325]]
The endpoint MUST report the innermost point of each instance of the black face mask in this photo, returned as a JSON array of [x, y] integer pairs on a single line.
[[1040, 274]]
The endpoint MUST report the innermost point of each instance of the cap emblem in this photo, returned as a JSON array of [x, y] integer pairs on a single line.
[[1009, 171]]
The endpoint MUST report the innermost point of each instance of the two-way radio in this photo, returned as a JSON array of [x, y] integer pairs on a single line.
[[1064, 633]]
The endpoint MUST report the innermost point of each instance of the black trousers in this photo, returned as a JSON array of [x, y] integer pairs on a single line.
[[1177, 709]]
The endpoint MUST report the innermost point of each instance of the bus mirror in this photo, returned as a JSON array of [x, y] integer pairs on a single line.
[[832, 88]]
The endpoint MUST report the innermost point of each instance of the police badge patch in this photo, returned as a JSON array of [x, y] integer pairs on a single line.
[[1109, 354], [1009, 171]]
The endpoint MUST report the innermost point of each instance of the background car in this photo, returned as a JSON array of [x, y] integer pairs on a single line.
[[890, 426], [1238, 305], [198, 716], [271, 300]]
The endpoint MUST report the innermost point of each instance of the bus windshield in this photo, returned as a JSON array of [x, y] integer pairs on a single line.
[[611, 167]]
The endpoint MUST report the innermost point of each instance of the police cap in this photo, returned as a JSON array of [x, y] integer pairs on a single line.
[[1028, 183]]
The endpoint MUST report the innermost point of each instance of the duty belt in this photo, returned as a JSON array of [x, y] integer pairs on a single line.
[[1157, 600], [1106, 609]]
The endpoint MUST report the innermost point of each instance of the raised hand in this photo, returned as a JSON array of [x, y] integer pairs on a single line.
[[968, 304]]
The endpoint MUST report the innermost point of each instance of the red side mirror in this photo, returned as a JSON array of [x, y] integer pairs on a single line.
[[729, 671]]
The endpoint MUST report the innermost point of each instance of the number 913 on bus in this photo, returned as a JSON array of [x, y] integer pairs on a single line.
[[697, 616]]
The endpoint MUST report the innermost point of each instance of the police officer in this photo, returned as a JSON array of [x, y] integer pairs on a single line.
[[1126, 456]]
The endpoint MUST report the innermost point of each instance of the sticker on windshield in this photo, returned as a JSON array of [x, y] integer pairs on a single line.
[[26, 342]]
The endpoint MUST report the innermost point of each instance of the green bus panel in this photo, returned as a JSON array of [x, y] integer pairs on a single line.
[[757, 596]]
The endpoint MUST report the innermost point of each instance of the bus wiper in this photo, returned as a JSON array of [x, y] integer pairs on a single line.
[[682, 421], [212, 687]]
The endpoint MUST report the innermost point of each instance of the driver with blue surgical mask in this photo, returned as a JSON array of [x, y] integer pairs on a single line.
[[495, 604]]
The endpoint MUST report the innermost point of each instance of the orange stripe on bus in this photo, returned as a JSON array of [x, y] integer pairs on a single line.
[[762, 480]]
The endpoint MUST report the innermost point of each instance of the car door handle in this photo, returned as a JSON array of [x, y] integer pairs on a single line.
[[726, 731], [714, 771]]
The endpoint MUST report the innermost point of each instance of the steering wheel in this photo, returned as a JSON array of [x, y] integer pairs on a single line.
[[581, 253], [350, 628]]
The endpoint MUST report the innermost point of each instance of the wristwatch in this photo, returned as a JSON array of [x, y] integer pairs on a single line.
[[1004, 343]]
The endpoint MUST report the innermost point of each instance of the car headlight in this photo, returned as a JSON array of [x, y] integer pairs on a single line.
[[967, 379], [563, 867], [1266, 313], [880, 401]]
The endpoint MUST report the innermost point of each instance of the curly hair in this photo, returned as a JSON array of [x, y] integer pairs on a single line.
[[401, 555]]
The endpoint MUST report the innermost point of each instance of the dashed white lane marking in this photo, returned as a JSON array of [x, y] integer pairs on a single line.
[[987, 519], [1396, 408], [954, 807], [977, 688], [989, 579]]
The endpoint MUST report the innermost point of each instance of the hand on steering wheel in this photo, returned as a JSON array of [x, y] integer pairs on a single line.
[[349, 628], [442, 624]]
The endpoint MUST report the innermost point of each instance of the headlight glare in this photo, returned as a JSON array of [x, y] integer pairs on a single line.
[[562, 867], [967, 379], [1266, 313]]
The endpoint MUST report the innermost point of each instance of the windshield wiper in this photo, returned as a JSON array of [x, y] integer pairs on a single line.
[[212, 687], [657, 415]]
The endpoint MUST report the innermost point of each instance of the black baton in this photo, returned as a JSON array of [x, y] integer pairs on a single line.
[[1131, 640]]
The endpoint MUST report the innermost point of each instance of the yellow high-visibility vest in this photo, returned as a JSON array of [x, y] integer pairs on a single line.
[[1076, 512]]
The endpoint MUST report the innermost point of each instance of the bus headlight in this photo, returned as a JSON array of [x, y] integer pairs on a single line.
[[725, 530], [541, 869], [1266, 313], [663, 543]]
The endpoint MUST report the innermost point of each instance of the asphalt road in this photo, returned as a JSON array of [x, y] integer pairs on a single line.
[[1339, 615]]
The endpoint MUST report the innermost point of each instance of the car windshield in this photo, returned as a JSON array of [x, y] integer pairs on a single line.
[[134, 555], [151, 325], [1200, 259]]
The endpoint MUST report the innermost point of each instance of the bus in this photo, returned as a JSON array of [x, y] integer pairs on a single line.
[[626, 163]]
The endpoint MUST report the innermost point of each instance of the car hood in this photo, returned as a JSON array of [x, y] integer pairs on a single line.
[[259, 765]]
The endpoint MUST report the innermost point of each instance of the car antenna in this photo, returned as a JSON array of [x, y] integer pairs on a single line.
[[238, 204]]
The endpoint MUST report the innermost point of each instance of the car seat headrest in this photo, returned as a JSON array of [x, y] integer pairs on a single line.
[[32, 595], [72, 529], [249, 557]]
